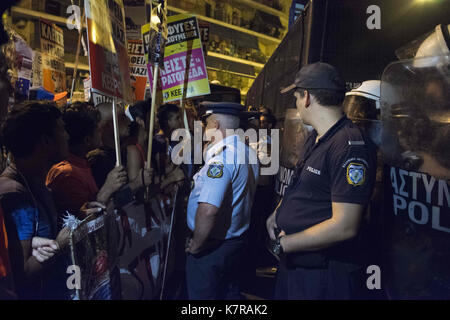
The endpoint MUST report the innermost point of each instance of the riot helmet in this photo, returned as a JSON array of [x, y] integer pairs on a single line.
[[362, 106]]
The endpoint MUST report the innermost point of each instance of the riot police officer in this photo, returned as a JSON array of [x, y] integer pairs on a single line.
[[219, 207], [318, 219]]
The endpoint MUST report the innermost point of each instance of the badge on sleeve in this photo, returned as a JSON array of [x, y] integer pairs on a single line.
[[215, 170], [356, 174]]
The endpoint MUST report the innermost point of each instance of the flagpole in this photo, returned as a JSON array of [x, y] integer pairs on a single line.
[[75, 68], [152, 116], [155, 60], [169, 241], [116, 134]]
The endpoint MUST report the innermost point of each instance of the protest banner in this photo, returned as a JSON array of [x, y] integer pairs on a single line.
[[134, 20], [143, 250], [94, 249], [108, 57], [204, 35], [138, 69], [184, 68], [51, 39], [87, 89], [24, 64], [49, 70]]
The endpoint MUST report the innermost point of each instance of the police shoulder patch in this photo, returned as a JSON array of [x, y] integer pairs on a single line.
[[215, 170], [356, 174]]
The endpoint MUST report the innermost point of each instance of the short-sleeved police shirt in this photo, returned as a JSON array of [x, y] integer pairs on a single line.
[[228, 181], [340, 167]]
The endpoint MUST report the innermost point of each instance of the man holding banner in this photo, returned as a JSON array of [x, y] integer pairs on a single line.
[[219, 208]]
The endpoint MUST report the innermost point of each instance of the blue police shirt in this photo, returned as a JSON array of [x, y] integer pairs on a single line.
[[228, 181]]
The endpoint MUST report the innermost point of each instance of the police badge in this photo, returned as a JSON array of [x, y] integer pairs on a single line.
[[356, 174], [215, 170]]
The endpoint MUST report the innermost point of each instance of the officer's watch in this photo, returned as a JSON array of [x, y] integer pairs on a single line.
[[277, 248]]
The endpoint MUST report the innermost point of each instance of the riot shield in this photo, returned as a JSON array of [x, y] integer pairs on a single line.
[[415, 111], [293, 138]]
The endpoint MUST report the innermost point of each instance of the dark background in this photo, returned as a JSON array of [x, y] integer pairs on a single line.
[[335, 31]]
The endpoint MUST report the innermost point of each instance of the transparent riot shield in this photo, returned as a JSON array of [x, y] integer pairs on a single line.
[[415, 111], [293, 137]]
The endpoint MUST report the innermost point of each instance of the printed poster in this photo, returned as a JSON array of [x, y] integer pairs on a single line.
[[108, 56], [184, 65]]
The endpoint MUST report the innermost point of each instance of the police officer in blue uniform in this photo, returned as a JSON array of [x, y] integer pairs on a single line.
[[316, 225], [219, 207]]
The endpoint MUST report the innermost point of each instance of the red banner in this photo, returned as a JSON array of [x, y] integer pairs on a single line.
[[108, 56]]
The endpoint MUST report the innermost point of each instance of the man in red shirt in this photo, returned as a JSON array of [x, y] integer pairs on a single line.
[[71, 180]]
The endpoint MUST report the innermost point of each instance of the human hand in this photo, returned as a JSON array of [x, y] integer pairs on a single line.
[[176, 175], [92, 207], [271, 225], [63, 238], [146, 177], [192, 246], [115, 180], [43, 248]]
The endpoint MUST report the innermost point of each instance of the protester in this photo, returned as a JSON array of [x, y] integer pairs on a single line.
[[264, 197], [319, 217], [34, 134], [103, 159], [137, 147], [169, 121], [71, 180], [219, 209]]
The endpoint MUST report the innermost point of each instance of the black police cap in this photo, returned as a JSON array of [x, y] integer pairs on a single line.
[[230, 108]]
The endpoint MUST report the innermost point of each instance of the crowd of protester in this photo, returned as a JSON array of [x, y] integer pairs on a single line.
[[59, 161]]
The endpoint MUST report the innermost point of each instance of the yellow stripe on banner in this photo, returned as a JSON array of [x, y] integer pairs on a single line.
[[195, 88]]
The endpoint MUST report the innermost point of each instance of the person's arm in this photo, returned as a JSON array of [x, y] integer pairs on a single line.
[[352, 172], [31, 265], [23, 215], [144, 179], [342, 226], [175, 175], [134, 164], [271, 223], [39, 252], [215, 187], [114, 181], [43, 248], [204, 223]]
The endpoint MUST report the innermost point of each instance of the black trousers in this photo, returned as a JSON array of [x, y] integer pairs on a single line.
[[338, 281], [215, 275]]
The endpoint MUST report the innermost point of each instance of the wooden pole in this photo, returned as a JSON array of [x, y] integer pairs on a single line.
[[185, 120], [172, 216], [116, 134], [152, 117], [75, 68]]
